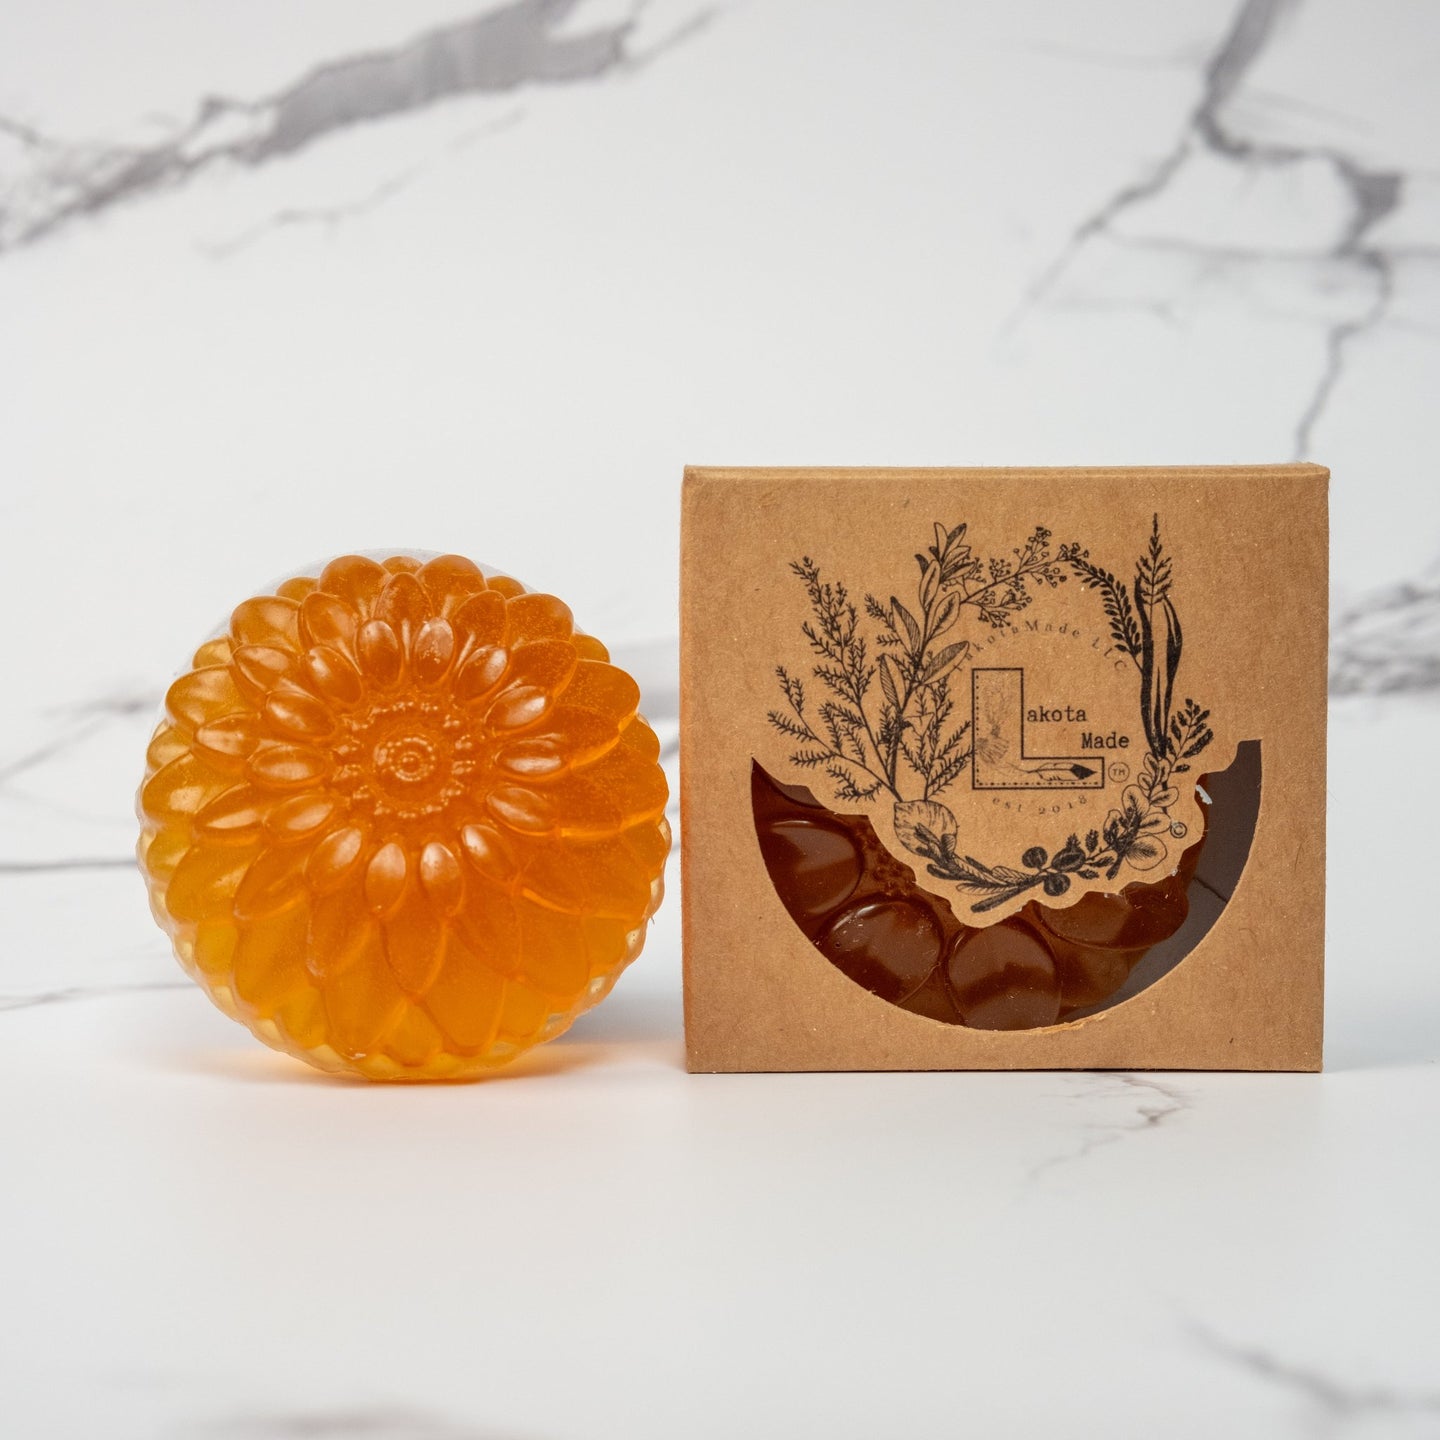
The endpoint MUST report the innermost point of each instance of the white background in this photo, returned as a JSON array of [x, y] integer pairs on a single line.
[[781, 231]]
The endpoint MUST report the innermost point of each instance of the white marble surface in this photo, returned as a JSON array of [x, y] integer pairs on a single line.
[[239, 334]]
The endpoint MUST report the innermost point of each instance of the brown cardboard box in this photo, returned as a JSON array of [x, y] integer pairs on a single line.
[[1016, 676]]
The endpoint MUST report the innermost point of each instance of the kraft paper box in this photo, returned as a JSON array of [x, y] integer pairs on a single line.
[[1004, 769]]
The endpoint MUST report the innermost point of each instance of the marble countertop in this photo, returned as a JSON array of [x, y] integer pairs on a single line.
[[279, 281]]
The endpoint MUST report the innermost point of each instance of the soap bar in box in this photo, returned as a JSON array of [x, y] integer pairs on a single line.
[[942, 733]]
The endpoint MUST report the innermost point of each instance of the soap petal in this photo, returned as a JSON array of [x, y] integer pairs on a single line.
[[403, 606], [299, 716], [386, 876], [280, 765], [415, 1040], [269, 962], [581, 735], [166, 744], [523, 1013], [202, 695], [489, 927], [465, 999], [236, 814], [442, 877], [522, 809], [269, 620], [480, 620], [354, 579], [618, 790], [539, 617], [259, 669], [489, 852], [301, 816], [297, 587], [362, 1001], [213, 652], [414, 943], [602, 877], [182, 788], [205, 881], [482, 671], [340, 931], [449, 580], [327, 620], [553, 952], [531, 758], [274, 881], [333, 676], [587, 647], [381, 657], [517, 707], [545, 664], [335, 859], [640, 741], [432, 651], [230, 739], [604, 690]]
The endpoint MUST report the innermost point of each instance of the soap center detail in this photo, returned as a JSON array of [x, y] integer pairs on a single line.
[[407, 759]]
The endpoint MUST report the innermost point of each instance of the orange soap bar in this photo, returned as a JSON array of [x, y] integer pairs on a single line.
[[403, 820]]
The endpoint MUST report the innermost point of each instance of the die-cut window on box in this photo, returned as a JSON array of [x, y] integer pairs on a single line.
[[874, 920]]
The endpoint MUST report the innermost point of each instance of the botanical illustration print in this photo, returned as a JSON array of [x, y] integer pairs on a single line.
[[887, 722], [907, 737]]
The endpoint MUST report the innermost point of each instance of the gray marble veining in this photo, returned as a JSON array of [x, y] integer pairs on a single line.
[[381, 1422], [86, 992], [1388, 642], [1373, 192], [492, 52], [1330, 1407], [1145, 1103]]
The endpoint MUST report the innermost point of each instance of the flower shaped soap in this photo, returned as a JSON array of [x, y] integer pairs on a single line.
[[403, 820]]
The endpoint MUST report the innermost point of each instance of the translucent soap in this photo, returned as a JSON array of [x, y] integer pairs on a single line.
[[403, 820], [866, 913]]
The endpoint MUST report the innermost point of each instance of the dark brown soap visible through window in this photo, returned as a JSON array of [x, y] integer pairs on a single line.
[[865, 912]]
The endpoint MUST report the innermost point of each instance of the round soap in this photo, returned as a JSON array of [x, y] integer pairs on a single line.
[[1004, 978], [402, 820], [889, 946]]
